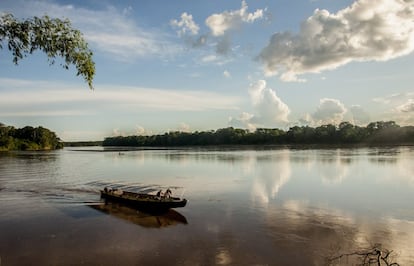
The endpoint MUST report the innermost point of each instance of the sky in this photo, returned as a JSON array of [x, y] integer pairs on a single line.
[[197, 65]]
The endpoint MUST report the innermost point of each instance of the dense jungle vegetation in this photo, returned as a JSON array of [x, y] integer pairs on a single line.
[[28, 138], [375, 133]]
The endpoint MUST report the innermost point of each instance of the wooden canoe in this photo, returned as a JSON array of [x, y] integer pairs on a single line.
[[141, 200]]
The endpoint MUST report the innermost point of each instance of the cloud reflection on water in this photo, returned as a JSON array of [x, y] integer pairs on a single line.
[[246, 207], [270, 177], [317, 232], [323, 228]]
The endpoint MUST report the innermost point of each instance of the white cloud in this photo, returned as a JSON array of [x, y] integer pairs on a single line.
[[35, 96], [306, 120], [44, 112], [209, 58], [108, 30], [403, 113], [141, 131], [185, 24], [366, 31], [221, 27], [395, 99], [137, 131], [221, 23], [407, 107], [270, 110], [398, 107], [214, 59], [329, 111], [183, 127], [116, 132], [243, 121], [269, 107], [359, 115], [80, 135]]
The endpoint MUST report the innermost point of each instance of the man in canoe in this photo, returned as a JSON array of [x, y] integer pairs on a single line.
[[159, 193], [168, 193]]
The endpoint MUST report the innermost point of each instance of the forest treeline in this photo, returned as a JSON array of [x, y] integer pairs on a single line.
[[82, 143], [345, 133], [28, 138]]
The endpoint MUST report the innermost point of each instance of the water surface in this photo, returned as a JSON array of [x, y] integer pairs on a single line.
[[246, 207]]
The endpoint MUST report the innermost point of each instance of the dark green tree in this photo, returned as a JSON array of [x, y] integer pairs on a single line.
[[28, 138], [53, 36], [377, 133]]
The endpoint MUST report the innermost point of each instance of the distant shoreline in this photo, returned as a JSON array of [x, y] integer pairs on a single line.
[[238, 147], [82, 143], [376, 133]]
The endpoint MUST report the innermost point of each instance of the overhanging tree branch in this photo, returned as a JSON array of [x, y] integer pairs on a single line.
[[53, 36]]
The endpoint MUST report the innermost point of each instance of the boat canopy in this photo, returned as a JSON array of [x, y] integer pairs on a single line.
[[140, 187]]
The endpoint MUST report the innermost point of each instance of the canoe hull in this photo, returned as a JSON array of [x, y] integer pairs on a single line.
[[144, 201]]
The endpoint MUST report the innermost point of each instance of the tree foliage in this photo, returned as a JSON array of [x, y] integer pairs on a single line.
[[346, 133], [53, 36], [28, 138]]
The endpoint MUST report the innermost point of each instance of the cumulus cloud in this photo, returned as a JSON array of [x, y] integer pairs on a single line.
[[221, 27], [407, 107], [223, 24], [141, 131], [398, 107], [244, 120], [359, 115], [395, 99], [366, 31], [220, 24], [397, 103], [138, 131], [403, 113], [185, 24], [270, 110], [306, 120], [116, 132], [183, 127], [329, 111]]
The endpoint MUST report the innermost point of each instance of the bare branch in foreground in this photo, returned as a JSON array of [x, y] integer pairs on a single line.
[[376, 255]]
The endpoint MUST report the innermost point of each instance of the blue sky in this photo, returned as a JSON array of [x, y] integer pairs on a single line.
[[202, 65]]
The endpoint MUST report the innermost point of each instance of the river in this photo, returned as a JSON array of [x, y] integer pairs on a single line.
[[272, 206]]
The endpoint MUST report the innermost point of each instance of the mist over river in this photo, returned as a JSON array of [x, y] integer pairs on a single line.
[[272, 206]]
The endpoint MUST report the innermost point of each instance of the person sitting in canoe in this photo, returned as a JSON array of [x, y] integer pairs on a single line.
[[118, 192], [168, 193], [159, 193]]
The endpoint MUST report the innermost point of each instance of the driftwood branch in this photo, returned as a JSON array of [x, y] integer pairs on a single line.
[[376, 255]]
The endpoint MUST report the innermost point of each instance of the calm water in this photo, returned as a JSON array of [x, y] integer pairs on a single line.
[[246, 207]]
